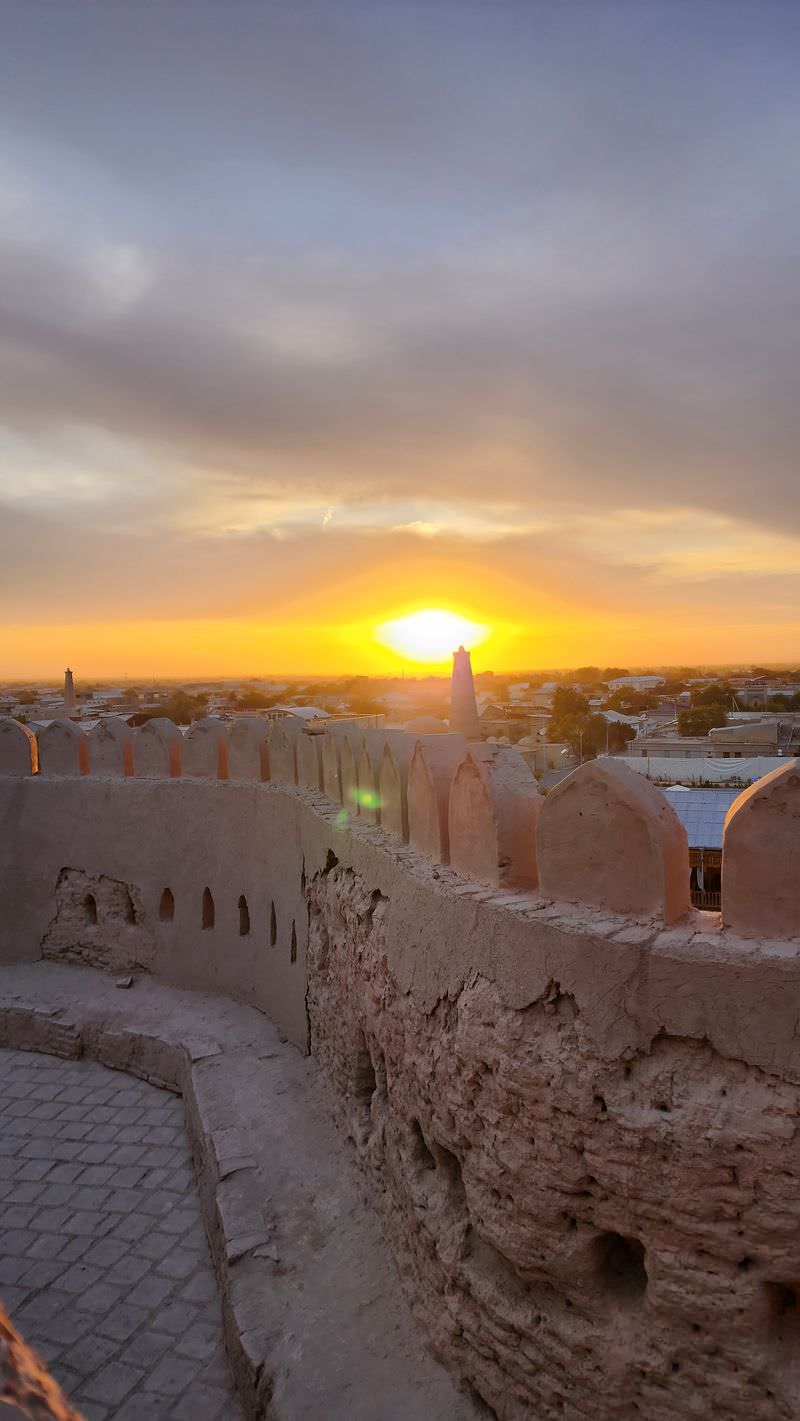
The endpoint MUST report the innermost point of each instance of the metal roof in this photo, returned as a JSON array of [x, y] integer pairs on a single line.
[[702, 813]]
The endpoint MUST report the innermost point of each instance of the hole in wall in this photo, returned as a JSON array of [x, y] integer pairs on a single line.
[[166, 908], [364, 1084], [421, 1155], [449, 1167], [783, 1306], [381, 1077], [208, 909], [244, 916], [293, 946], [438, 1171], [364, 1080], [90, 908], [130, 910], [273, 926], [621, 1266]]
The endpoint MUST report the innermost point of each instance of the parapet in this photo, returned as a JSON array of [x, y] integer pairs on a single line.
[[157, 750], [351, 755], [205, 750], [332, 743], [369, 775], [761, 857], [605, 837], [609, 838], [430, 776], [19, 750], [283, 751], [248, 749], [374, 746], [111, 747], [393, 784], [309, 760], [494, 806], [63, 749]]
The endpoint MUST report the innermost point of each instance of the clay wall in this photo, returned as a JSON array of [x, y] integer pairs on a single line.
[[577, 1101]]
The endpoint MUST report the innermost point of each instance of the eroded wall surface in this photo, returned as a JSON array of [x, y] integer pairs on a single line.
[[581, 1237]]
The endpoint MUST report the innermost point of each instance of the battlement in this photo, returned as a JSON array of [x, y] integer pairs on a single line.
[[605, 837]]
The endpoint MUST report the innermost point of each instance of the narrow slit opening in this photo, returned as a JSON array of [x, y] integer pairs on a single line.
[[208, 909], [244, 917]]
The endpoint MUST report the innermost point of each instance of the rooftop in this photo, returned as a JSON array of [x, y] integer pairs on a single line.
[[702, 813]]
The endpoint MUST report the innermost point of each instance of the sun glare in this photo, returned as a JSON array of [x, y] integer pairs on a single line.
[[431, 635]]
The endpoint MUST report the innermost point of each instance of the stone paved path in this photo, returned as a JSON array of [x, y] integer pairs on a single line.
[[104, 1264]]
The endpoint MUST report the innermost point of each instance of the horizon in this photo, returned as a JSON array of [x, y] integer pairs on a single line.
[[315, 318], [706, 670]]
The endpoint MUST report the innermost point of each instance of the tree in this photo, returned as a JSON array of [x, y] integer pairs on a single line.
[[619, 734], [701, 719], [153, 713], [718, 694], [183, 708], [566, 701], [254, 700], [629, 701], [365, 705], [587, 735], [180, 708]]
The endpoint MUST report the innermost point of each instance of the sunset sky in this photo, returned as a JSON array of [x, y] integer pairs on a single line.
[[314, 315]]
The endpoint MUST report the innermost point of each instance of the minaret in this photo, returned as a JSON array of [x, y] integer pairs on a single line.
[[69, 691], [463, 709]]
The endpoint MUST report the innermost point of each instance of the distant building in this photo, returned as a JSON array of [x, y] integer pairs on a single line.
[[702, 813], [636, 683], [703, 770], [738, 741]]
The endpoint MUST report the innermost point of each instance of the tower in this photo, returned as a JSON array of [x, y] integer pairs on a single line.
[[69, 690], [463, 708]]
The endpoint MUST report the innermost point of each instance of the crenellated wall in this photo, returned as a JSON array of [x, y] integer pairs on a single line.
[[575, 1096]]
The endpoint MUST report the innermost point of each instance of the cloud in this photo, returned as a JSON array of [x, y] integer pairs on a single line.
[[299, 288]]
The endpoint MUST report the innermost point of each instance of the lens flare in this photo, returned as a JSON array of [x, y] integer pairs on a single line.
[[430, 635]]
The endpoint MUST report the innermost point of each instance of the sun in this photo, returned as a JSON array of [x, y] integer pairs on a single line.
[[430, 635]]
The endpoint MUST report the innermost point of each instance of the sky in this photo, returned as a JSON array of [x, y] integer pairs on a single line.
[[312, 315]]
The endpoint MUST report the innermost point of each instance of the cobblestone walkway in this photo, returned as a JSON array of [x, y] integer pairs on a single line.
[[104, 1263]]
